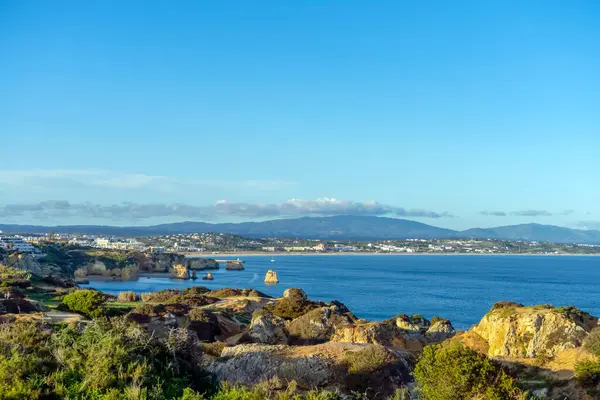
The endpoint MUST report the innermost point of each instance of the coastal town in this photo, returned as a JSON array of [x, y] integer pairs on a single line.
[[219, 243]]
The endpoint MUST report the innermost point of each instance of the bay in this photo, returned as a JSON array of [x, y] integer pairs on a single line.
[[377, 287]]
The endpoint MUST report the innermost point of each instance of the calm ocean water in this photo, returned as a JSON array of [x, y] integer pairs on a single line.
[[460, 288]]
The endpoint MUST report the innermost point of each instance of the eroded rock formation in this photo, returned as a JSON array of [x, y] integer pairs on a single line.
[[271, 277]]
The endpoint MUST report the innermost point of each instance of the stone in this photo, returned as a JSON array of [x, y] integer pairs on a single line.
[[380, 333], [179, 271], [266, 328], [271, 277], [439, 331], [415, 323], [295, 293], [19, 306], [318, 325], [208, 277]]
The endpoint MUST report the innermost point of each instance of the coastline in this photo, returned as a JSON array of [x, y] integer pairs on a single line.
[[312, 254]]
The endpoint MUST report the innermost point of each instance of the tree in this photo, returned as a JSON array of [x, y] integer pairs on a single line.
[[454, 372]]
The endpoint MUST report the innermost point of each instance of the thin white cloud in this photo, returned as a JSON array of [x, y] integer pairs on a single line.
[[61, 209], [76, 178], [523, 213]]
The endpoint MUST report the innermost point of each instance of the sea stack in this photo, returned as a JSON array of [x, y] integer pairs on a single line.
[[179, 271], [234, 265], [208, 277], [271, 277]]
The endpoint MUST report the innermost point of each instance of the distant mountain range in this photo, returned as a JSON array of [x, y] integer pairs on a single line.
[[343, 227]]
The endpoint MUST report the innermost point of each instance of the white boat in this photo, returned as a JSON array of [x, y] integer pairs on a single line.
[[272, 259]]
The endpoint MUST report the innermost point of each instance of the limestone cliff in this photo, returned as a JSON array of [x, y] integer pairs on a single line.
[[202, 263], [234, 265], [99, 268], [513, 330]]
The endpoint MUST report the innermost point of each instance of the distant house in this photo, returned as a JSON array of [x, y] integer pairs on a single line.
[[16, 243], [319, 247]]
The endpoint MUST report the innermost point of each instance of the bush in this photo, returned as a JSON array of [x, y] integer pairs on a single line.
[[368, 359], [214, 349], [588, 372], [108, 360], [195, 290], [592, 342], [290, 307], [201, 315], [272, 390], [160, 297], [86, 302], [128, 297], [453, 372]]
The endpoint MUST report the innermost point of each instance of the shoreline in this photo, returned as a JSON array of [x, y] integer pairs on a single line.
[[312, 254]]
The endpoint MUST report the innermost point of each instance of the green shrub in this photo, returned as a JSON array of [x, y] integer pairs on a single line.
[[453, 372], [214, 349], [195, 290], [108, 360], [290, 307], [201, 315], [573, 313], [588, 372], [592, 342], [367, 360], [86, 302], [265, 390]]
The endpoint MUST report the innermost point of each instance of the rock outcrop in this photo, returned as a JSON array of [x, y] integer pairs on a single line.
[[234, 266], [99, 268], [439, 331], [180, 271], [334, 366], [19, 306], [208, 277], [266, 328], [201, 263], [402, 332], [512, 330], [318, 325], [271, 277], [295, 293]]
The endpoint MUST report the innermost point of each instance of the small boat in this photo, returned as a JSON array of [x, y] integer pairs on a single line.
[[272, 259]]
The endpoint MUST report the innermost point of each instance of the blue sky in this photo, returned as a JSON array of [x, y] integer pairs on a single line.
[[457, 114]]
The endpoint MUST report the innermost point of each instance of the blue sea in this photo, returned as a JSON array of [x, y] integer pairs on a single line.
[[460, 288]]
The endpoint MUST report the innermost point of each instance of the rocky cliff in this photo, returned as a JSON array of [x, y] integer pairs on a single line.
[[514, 330]]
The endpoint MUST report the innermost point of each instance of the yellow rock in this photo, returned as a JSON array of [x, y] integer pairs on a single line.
[[271, 277], [180, 272]]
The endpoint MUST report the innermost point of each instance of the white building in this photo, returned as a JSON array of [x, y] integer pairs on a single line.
[[16, 243]]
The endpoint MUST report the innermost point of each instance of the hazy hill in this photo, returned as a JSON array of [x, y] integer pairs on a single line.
[[536, 232], [338, 227]]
